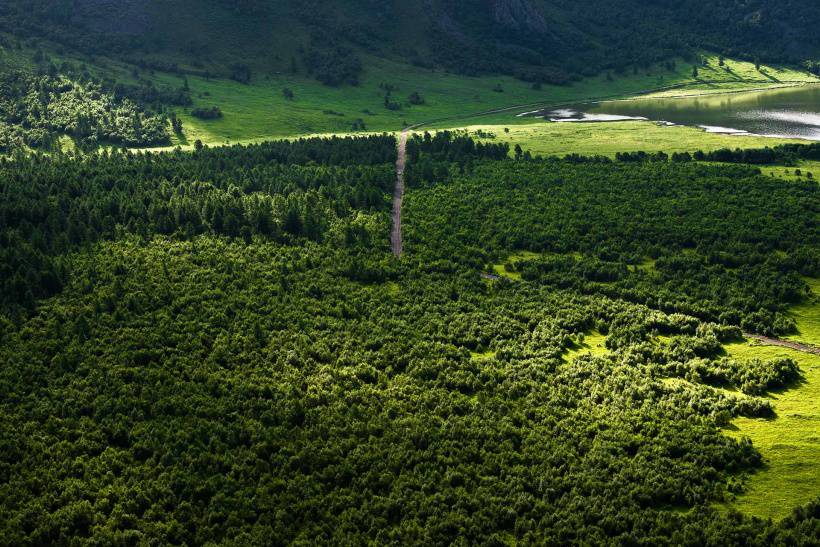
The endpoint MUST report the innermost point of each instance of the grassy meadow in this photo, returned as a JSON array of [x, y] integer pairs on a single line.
[[736, 75], [807, 315], [656, 82], [260, 110], [806, 168], [607, 138]]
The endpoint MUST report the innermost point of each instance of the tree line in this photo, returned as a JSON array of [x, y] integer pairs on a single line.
[[36, 110], [279, 190]]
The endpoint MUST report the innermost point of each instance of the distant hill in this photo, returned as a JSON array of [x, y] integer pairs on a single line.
[[551, 41]]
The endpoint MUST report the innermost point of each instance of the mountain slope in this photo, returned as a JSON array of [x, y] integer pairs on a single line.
[[545, 40]]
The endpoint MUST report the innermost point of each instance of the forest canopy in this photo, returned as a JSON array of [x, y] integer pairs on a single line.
[[218, 346]]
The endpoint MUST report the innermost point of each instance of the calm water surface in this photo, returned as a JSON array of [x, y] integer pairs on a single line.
[[791, 113]]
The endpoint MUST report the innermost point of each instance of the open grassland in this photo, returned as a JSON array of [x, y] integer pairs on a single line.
[[807, 316], [608, 138], [806, 168], [507, 269], [790, 443], [736, 76], [260, 110]]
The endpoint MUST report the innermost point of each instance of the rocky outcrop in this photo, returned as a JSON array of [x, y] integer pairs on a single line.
[[519, 15]]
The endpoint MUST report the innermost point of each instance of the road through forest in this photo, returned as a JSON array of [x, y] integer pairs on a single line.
[[398, 194]]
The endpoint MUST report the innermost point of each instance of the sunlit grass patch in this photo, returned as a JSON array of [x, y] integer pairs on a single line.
[[647, 265], [789, 443], [608, 138], [482, 355], [734, 74], [594, 344], [508, 268], [804, 170], [807, 316]]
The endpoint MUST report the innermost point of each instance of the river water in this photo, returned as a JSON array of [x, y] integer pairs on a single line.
[[786, 113]]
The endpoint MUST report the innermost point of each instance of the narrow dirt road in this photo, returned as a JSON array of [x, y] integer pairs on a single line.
[[783, 343], [398, 194]]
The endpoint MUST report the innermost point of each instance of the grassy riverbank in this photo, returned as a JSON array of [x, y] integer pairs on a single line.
[[608, 138]]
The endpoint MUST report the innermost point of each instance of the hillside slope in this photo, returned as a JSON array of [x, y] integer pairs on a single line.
[[540, 40]]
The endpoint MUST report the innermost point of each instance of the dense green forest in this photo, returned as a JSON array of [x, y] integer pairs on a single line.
[[706, 229], [45, 101], [218, 347], [552, 41], [36, 110], [309, 188]]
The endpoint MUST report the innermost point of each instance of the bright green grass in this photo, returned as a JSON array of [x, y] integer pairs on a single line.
[[482, 355], [790, 443], [663, 339], [737, 75], [259, 111], [594, 344], [608, 138], [655, 82], [647, 265], [787, 173], [807, 316], [502, 271]]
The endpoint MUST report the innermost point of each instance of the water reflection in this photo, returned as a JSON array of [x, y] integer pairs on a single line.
[[790, 113]]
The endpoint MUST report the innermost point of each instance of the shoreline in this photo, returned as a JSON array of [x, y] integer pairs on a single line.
[[728, 131]]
